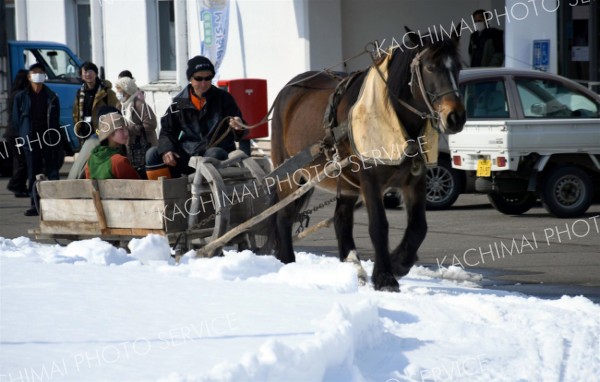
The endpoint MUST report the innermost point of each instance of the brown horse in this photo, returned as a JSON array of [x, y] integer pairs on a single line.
[[421, 85]]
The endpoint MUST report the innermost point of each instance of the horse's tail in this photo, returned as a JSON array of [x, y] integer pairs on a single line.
[[289, 214]]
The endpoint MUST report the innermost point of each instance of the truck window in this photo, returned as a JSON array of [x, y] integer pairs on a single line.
[[552, 99], [60, 67], [485, 99]]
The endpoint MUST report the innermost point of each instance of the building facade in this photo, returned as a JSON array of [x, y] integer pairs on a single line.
[[277, 39]]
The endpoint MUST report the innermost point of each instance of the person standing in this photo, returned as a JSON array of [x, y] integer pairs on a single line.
[[486, 46], [127, 74], [36, 116], [202, 120], [94, 93], [141, 122], [18, 181]]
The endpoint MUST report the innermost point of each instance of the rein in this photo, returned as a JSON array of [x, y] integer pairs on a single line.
[[213, 142]]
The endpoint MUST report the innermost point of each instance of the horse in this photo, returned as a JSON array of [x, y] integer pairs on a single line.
[[421, 86]]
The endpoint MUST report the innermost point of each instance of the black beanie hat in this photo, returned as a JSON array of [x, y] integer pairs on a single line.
[[197, 64]]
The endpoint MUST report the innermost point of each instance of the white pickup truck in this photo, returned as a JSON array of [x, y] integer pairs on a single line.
[[529, 134]]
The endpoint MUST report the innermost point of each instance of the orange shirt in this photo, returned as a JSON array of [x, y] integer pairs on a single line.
[[198, 102]]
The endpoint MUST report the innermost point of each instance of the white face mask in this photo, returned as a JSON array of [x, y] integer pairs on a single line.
[[120, 96], [38, 78], [479, 26]]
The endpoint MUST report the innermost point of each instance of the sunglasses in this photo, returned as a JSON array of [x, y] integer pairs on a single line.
[[199, 78]]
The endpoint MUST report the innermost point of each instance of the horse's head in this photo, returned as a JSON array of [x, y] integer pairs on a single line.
[[434, 81]]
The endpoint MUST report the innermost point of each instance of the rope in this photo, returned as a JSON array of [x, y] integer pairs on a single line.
[[213, 142]]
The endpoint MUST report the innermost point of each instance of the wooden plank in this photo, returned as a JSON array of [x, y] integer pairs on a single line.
[[98, 206], [115, 189], [175, 215], [119, 213], [65, 189], [144, 189], [69, 230]]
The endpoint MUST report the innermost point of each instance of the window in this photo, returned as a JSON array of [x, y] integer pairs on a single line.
[[552, 99], [60, 67], [84, 30], [166, 38], [486, 99]]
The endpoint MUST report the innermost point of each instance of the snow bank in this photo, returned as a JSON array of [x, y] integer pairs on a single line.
[[232, 266], [245, 317], [316, 272], [151, 249], [328, 354], [93, 251]]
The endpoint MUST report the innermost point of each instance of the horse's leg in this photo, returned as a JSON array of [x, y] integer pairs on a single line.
[[285, 218], [344, 222], [405, 255], [383, 276], [284, 250]]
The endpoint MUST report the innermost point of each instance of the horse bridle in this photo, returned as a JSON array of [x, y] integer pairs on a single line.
[[415, 71]]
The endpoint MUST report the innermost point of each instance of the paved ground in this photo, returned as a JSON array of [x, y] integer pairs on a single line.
[[550, 257]]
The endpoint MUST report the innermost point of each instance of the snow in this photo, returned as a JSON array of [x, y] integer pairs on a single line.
[[92, 312]]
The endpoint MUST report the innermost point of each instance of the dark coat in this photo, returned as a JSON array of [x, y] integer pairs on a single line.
[[486, 48], [21, 120], [187, 130], [104, 96]]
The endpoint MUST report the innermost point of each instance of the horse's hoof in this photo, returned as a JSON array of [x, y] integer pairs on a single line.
[[386, 282], [360, 271], [390, 289]]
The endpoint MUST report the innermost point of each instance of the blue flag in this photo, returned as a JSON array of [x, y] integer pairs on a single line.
[[214, 24]]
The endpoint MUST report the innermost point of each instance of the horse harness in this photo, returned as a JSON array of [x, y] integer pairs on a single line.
[[336, 133]]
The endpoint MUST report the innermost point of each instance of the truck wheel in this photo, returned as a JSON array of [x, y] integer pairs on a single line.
[[513, 203], [443, 185], [567, 192]]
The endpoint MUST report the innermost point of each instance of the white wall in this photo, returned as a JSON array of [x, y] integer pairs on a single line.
[[267, 39], [46, 21], [539, 21], [325, 34], [126, 44], [364, 21]]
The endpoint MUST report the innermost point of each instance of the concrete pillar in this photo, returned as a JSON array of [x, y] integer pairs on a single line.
[[21, 20], [97, 25]]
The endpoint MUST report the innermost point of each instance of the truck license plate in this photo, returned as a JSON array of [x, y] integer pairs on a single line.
[[484, 167]]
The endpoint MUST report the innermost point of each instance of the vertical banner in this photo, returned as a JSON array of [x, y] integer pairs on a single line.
[[214, 24]]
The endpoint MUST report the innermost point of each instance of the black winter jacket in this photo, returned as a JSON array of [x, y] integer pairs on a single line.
[[187, 130], [21, 119]]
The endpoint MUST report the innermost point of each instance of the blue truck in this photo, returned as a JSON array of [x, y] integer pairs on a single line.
[[63, 77]]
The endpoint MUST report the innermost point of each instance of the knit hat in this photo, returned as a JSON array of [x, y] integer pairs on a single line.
[[108, 124], [127, 84], [198, 64]]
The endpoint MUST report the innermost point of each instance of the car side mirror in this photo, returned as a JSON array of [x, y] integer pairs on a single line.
[[538, 109]]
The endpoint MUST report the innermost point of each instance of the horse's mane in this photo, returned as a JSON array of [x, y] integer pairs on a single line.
[[399, 67]]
